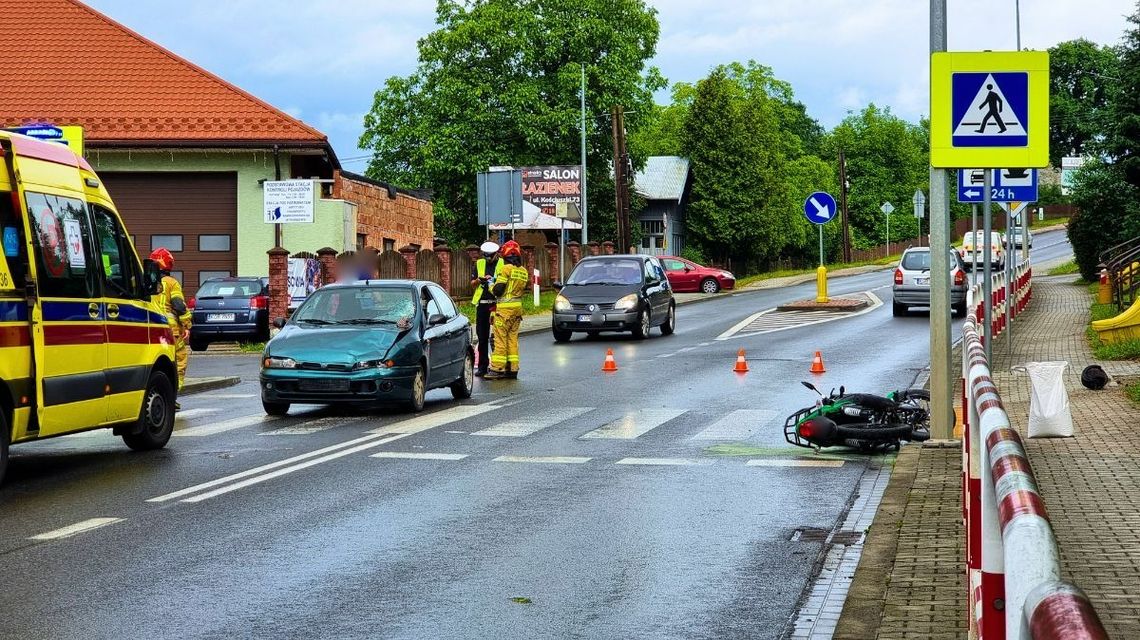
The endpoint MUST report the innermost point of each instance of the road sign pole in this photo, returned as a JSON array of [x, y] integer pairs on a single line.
[[987, 274], [974, 248], [941, 402], [820, 244], [1010, 260]]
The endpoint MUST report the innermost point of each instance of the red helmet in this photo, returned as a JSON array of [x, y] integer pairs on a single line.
[[510, 248], [163, 257]]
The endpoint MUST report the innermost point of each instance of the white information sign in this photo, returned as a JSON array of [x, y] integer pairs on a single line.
[[288, 201], [73, 234]]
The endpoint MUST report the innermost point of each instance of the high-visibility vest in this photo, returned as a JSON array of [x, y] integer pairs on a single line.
[[481, 270], [516, 285]]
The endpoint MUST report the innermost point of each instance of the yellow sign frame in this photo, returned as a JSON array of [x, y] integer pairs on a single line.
[[943, 66]]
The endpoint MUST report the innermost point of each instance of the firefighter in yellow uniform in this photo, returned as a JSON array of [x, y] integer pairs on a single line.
[[508, 313], [173, 303]]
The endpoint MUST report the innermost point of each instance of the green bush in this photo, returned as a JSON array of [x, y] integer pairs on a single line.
[[693, 253]]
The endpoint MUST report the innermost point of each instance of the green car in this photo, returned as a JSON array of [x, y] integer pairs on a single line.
[[370, 343]]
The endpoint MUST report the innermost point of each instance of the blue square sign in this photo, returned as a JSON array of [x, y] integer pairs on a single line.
[[990, 109]]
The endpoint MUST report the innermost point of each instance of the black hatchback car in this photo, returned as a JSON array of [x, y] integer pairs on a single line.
[[230, 309], [615, 293]]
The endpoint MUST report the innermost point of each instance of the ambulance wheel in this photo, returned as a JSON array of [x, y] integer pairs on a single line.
[[4, 435], [156, 418]]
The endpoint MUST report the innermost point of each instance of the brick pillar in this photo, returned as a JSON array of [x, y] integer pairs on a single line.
[[594, 247], [327, 256], [608, 248], [528, 261], [575, 251], [444, 253], [278, 283], [409, 255], [555, 268]]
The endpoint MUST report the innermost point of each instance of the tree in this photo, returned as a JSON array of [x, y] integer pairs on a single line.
[[498, 84], [887, 160], [1124, 138], [1108, 213], [1082, 81], [736, 148], [663, 126]]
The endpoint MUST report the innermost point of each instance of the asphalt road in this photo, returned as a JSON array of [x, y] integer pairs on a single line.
[[657, 501]]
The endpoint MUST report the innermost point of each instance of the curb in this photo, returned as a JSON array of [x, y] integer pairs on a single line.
[[866, 597], [201, 385]]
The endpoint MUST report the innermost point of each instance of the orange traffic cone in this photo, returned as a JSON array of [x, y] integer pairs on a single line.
[[609, 365], [817, 363], [741, 365]]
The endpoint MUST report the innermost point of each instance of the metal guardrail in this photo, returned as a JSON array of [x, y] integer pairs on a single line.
[[1011, 554], [1123, 264]]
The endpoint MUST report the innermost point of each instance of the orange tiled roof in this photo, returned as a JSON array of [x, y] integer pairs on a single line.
[[65, 63]]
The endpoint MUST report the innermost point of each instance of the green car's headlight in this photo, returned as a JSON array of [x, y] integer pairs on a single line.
[[373, 364], [271, 362], [561, 303], [627, 303]]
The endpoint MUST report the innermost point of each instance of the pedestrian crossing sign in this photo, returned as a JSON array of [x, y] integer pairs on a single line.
[[989, 109]]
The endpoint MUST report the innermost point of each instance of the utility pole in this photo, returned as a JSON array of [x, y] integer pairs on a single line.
[[941, 403], [843, 206], [621, 180], [585, 235]]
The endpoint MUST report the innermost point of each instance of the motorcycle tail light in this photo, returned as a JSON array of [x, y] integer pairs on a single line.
[[898, 276]]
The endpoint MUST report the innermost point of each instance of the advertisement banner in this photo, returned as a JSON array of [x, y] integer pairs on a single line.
[[545, 187], [304, 278]]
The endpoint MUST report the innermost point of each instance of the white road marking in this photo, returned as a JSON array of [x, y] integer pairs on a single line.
[[539, 422], [785, 320], [738, 425], [794, 463], [313, 426], [223, 426], [664, 462], [667, 355], [543, 459], [193, 413], [401, 430], [228, 396], [77, 528], [403, 455], [634, 424]]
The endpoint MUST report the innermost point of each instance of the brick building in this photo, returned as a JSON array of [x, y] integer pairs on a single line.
[[387, 217]]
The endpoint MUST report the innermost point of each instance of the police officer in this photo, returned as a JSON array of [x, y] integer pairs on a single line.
[[173, 303], [510, 287], [483, 275]]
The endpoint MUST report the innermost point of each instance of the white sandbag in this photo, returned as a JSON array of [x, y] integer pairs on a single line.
[[1049, 415]]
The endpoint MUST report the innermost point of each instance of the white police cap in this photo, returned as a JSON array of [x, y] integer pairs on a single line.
[[489, 247]]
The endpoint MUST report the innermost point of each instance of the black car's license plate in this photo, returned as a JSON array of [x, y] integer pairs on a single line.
[[322, 385]]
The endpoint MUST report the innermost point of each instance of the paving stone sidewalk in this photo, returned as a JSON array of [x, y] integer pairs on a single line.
[[910, 582]]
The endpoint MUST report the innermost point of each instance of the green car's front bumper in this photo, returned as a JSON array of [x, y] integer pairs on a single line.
[[364, 387]]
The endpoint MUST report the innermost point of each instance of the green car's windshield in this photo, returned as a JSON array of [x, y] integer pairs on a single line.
[[357, 305]]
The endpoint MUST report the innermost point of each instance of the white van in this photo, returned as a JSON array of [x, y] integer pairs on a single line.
[[972, 239]]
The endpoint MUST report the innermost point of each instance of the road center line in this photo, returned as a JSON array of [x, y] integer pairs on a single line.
[[75, 529], [663, 462], [543, 459], [407, 455]]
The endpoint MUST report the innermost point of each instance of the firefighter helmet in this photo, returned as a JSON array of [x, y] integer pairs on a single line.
[[510, 248], [163, 258]]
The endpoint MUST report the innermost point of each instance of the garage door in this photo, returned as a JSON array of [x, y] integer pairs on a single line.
[[192, 214]]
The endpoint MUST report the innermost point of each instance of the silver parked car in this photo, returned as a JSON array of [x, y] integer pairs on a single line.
[[912, 282]]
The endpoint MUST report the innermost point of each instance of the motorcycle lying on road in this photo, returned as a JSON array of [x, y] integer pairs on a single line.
[[861, 421]]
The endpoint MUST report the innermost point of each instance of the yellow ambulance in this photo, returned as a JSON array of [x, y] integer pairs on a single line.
[[82, 346]]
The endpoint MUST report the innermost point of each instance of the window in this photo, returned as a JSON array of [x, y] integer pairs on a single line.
[[177, 275], [173, 243], [674, 265], [12, 237], [389, 244], [650, 271], [444, 302], [62, 237], [653, 227], [122, 274], [213, 243], [361, 241], [206, 275]]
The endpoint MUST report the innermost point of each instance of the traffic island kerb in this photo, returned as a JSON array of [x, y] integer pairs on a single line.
[[834, 304]]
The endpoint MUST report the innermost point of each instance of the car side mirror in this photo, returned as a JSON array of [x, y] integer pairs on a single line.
[[279, 323], [557, 286], [152, 277], [688, 269], [436, 318]]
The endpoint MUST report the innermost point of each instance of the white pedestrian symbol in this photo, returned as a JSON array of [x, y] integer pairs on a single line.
[[989, 114]]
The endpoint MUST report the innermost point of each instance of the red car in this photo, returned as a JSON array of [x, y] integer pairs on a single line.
[[689, 276]]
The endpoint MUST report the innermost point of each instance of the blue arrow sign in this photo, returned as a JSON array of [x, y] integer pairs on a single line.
[[1006, 185], [819, 208]]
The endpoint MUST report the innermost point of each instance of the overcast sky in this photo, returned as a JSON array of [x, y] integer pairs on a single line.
[[322, 60]]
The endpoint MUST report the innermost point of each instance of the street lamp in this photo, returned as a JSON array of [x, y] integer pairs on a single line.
[[919, 201]]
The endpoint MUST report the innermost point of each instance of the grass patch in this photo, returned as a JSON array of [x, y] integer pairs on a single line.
[[1069, 267], [1123, 350], [1133, 392], [545, 304], [1048, 222], [251, 347]]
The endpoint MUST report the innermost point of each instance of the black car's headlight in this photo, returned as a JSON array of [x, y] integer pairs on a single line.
[[273, 362], [561, 303], [373, 364], [627, 303]]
